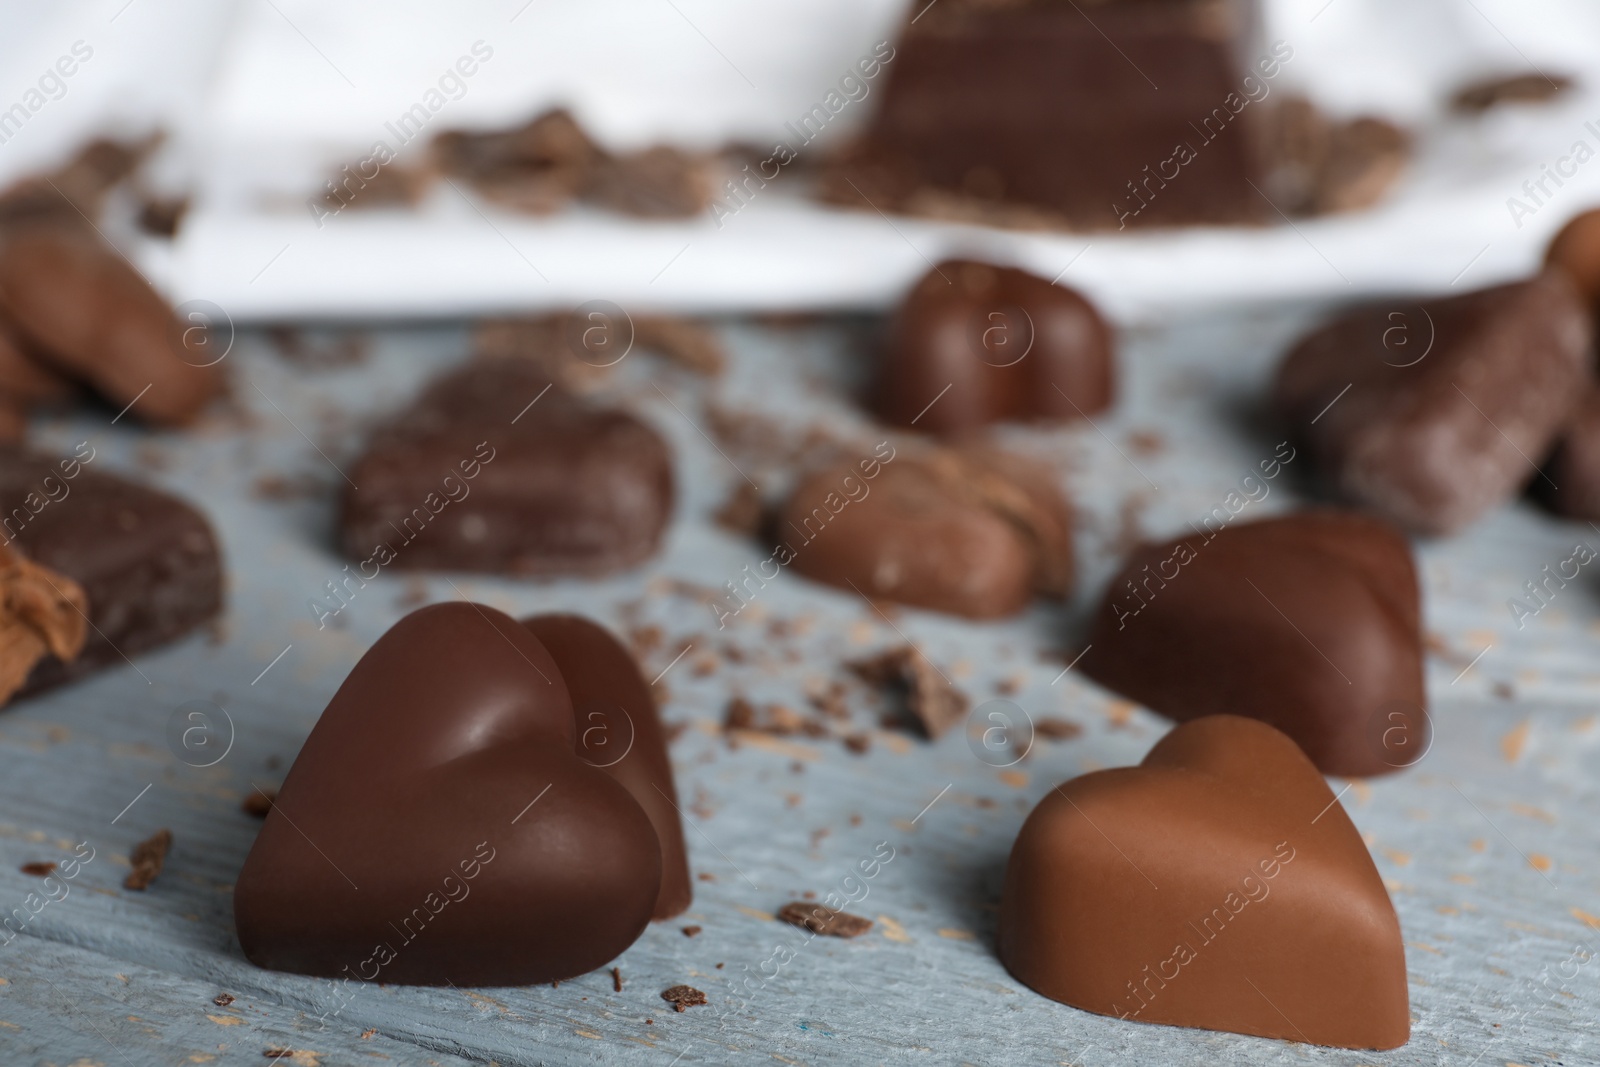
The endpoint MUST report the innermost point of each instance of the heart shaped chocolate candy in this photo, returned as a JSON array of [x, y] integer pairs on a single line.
[[442, 825], [1309, 622], [974, 343], [1219, 885]]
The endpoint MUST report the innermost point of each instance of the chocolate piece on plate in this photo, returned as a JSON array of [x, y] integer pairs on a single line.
[[147, 561], [1218, 885], [464, 833], [495, 469], [971, 531], [1430, 413], [1310, 622], [974, 343], [1038, 104], [620, 732], [539, 167]]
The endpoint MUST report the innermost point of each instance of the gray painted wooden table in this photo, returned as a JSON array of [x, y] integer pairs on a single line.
[[1490, 846]]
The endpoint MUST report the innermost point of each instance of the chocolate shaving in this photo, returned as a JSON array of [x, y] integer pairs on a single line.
[[259, 802], [1533, 88], [691, 931], [41, 613], [147, 859], [929, 697], [616, 979], [1055, 729], [682, 997], [820, 919], [39, 870]]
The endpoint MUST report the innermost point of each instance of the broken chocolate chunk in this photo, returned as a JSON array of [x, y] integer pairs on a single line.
[[682, 997], [147, 859], [820, 919], [929, 696], [42, 613]]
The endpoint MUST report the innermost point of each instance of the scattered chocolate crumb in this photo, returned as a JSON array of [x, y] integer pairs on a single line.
[[741, 512], [616, 979], [222, 1000], [1534, 88], [682, 997], [161, 216], [1504, 691], [556, 984], [721, 965], [929, 696], [1146, 443], [816, 839], [796, 767], [820, 919], [706, 876], [289, 1054], [147, 859], [39, 870], [1007, 686], [855, 820], [1055, 729], [987, 803], [259, 802], [691, 931], [858, 743], [366, 1035], [645, 639]]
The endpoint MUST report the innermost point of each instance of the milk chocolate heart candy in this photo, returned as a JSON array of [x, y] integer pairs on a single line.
[[970, 531], [619, 731], [974, 344], [1219, 885], [1432, 413], [89, 315], [1310, 622], [439, 824]]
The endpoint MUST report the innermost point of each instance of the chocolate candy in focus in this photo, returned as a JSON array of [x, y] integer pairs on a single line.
[[1432, 413], [1218, 885], [462, 833], [1310, 622], [974, 344], [495, 469]]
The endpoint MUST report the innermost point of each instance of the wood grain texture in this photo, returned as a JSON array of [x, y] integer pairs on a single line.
[[1489, 846]]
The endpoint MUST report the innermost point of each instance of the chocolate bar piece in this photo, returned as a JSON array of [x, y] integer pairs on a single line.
[[468, 826], [1135, 113], [975, 532], [1218, 885], [973, 344], [147, 561], [1432, 413], [496, 469], [1310, 622]]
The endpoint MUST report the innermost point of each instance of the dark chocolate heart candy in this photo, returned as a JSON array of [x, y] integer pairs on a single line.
[[974, 344], [619, 731], [1310, 622], [493, 468], [1218, 885], [1430, 414], [440, 824]]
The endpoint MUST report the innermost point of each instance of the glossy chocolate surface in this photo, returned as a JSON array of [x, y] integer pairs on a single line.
[[1310, 622], [1218, 885], [460, 834], [973, 344]]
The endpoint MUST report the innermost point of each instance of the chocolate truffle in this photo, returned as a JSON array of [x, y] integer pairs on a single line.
[[1432, 413], [88, 315], [1218, 885], [1034, 103], [446, 821], [975, 531], [973, 344], [495, 469], [146, 560], [620, 732], [1310, 622]]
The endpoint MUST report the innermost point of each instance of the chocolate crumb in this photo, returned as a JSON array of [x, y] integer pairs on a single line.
[[706, 876], [222, 1000], [147, 859], [858, 743], [1056, 729], [259, 802], [649, 1022], [741, 512], [721, 965], [39, 869], [820, 919], [740, 715], [366, 1035], [928, 694], [682, 997], [691, 931], [616, 979], [1531, 88]]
